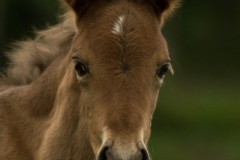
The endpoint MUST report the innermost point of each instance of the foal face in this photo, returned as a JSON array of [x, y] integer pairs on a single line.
[[120, 60]]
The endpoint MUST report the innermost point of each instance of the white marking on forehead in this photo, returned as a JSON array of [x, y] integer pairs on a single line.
[[118, 26]]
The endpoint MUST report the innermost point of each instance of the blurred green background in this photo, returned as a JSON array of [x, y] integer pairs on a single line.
[[198, 112]]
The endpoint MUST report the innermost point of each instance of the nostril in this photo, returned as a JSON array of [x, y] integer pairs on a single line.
[[103, 155], [143, 151], [144, 154]]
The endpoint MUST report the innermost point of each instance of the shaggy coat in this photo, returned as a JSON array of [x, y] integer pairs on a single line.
[[86, 88]]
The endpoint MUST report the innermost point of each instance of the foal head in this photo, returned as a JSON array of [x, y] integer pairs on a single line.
[[120, 59]]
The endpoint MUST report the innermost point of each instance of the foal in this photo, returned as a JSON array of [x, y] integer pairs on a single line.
[[87, 88]]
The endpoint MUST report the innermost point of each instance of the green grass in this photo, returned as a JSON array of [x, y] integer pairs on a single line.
[[193, 144], [197, 122]]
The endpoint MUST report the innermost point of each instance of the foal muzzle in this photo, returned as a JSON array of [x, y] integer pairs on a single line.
[[110, 152]]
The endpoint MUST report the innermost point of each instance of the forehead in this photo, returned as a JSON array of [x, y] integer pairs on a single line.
[[121, 32]]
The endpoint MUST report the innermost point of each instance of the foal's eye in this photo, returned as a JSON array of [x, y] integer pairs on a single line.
[[81, 69], [162, 71]]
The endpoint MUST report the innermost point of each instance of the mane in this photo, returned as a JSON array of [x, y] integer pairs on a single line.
[[29, 58]]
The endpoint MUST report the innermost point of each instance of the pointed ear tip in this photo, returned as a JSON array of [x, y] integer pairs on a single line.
[[170, 11], [175, 4]]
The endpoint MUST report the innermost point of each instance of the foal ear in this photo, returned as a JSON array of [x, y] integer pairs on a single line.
[[165, 8], [78, 6]]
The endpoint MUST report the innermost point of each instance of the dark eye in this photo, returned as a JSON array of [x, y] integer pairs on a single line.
[[162, 71], [81, 69]]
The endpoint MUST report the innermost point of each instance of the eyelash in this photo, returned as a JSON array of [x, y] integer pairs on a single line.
[[81, 69], [162, 71]]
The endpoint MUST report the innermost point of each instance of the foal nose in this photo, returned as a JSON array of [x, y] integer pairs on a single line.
[[108, 152]]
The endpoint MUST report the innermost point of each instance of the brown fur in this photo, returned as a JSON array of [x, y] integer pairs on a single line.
[[30, 58], [48, 112]]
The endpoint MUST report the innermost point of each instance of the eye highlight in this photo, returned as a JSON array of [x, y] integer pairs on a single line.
[[162, 71], [80, 68]]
